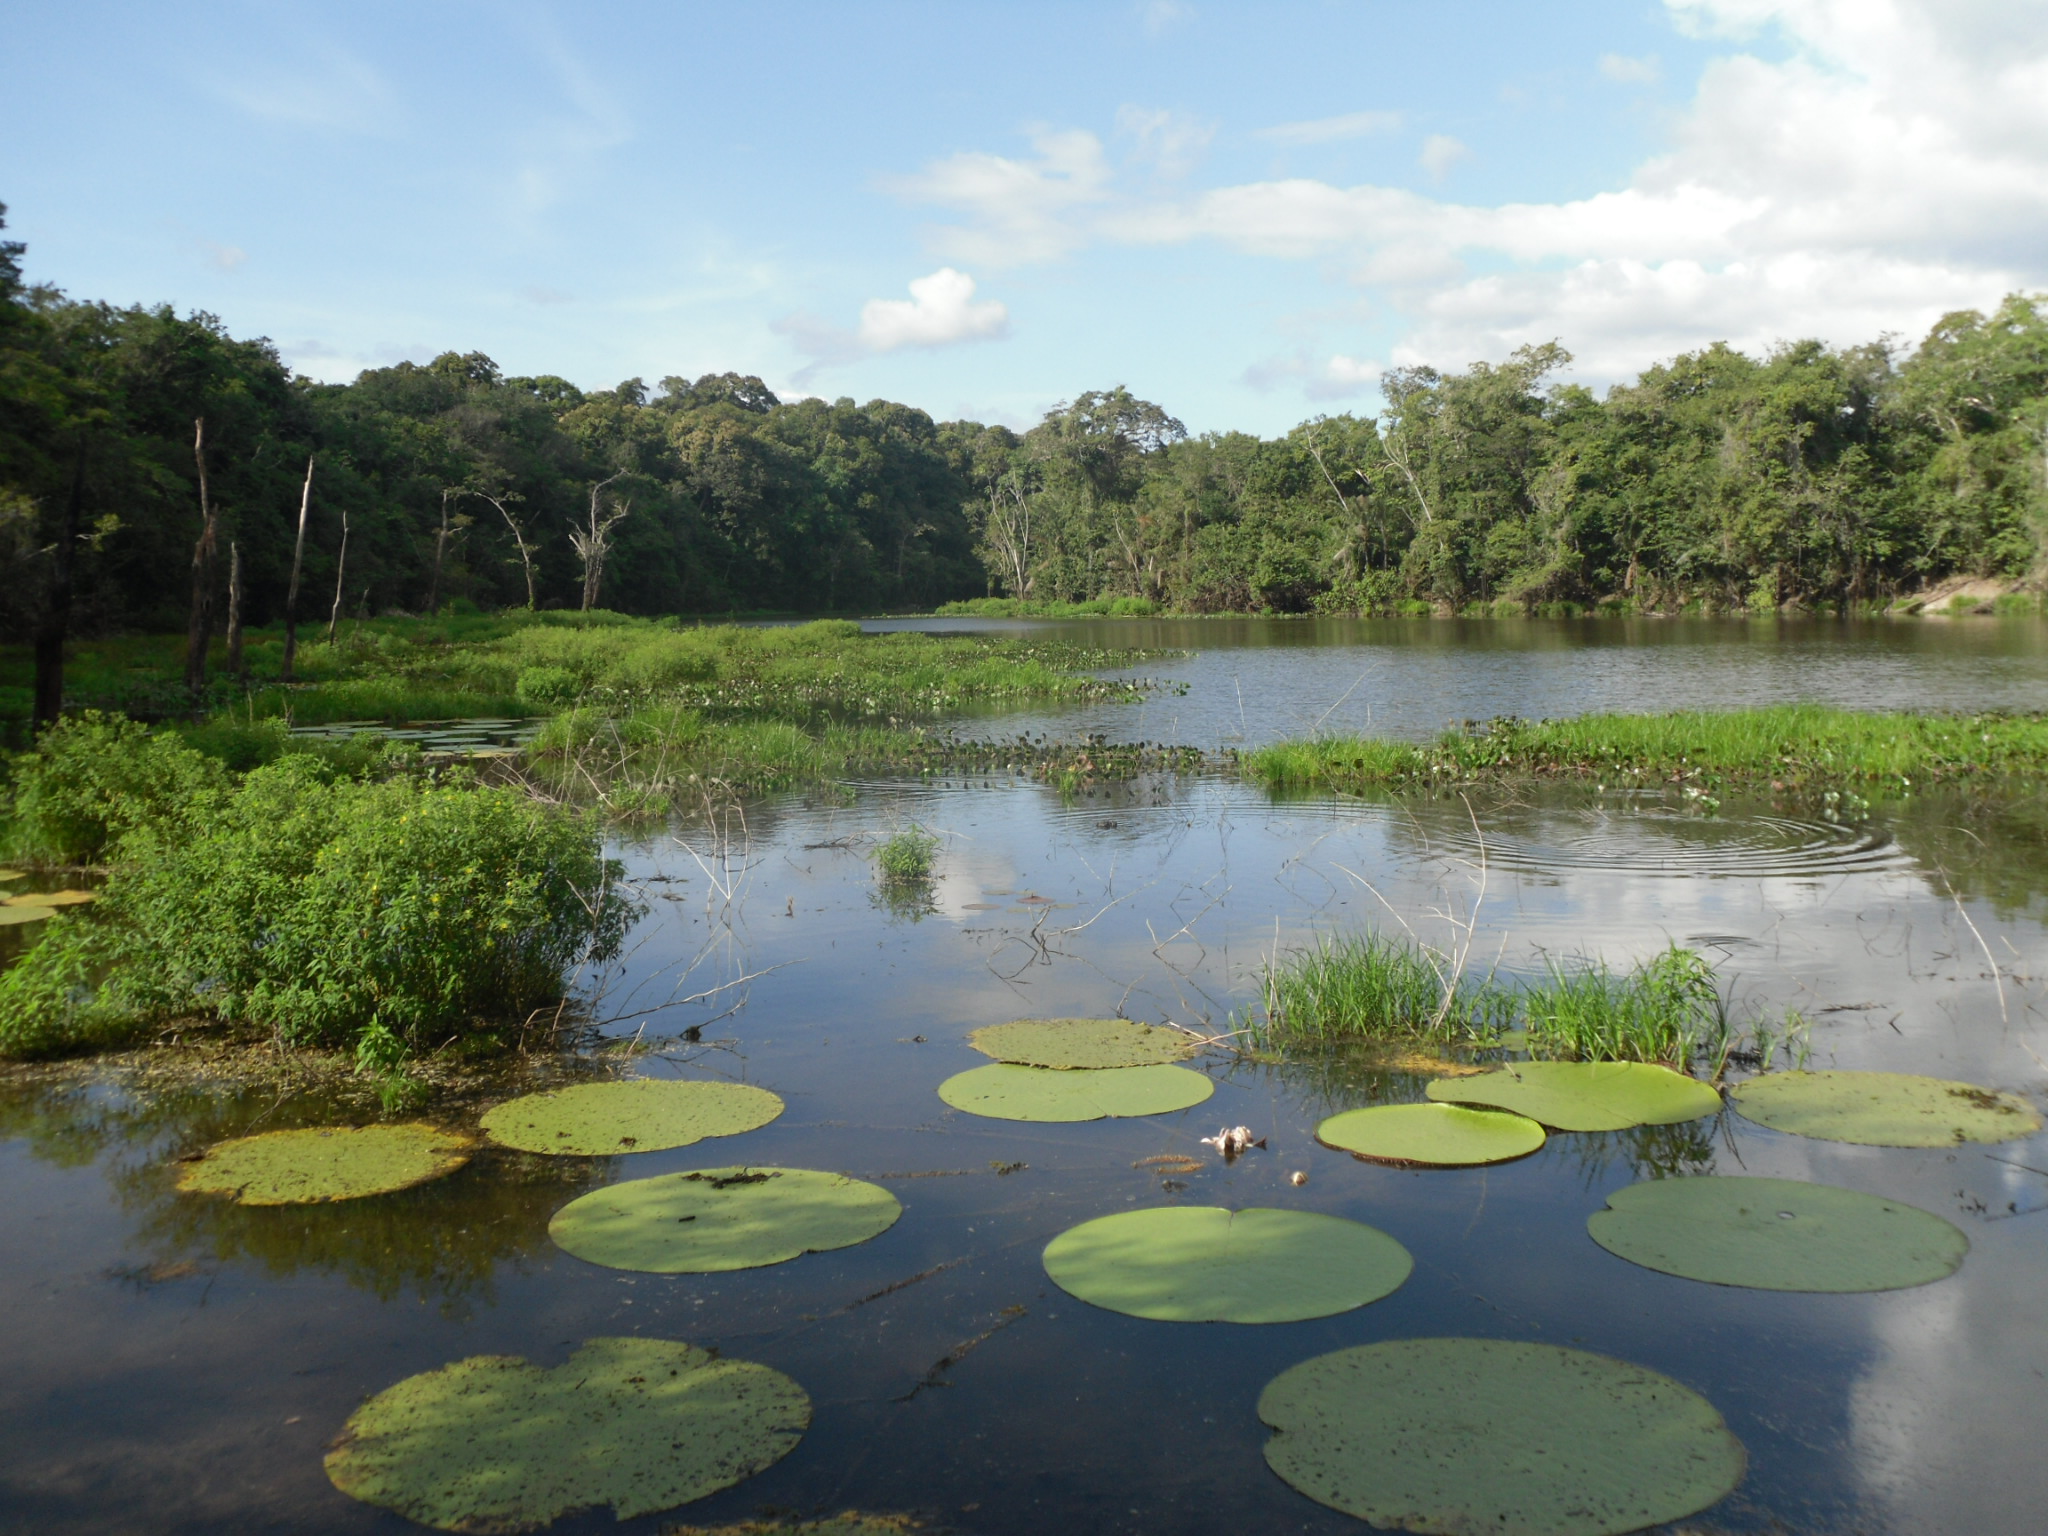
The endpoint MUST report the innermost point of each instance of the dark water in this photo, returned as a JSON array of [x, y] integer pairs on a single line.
[[178, 1365]]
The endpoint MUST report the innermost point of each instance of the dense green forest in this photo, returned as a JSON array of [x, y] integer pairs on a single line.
[[149, 462]]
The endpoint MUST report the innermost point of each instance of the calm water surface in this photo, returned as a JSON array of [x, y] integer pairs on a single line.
[[178, 1365]]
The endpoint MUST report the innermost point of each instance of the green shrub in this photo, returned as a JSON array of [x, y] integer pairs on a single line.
[[93, 780], [906, 858], [550, 687]]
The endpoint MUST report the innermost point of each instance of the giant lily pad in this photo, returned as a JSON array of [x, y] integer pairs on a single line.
[[9, 875], [1777, 1235], [1884, 1109], [848, 1522], [1004, 1092], [338, 1162], [50, 899], [1081, 1044], [1201, 1264], [641, 1115], [496, 1443], [1457, 1436], [722, 1218], [11, 916], [1585, 1095], [1435, 1135]]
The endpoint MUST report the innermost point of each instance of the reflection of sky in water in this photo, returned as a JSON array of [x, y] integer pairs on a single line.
[[202, 1401]]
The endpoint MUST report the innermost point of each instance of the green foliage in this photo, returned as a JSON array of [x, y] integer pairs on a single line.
[[94, 780], [1666, 1009], [906, 857], [1375, 986]]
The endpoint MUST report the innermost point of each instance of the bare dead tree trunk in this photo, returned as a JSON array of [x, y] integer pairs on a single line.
[[340, 572], [519, 538], [199, 632], [593, 543], [234, 608], [440, 549], [291, 593], [54, 628]]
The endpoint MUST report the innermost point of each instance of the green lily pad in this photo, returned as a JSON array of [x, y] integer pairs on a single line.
[[495, 1443], [50, 899], [1435, 1135], [714, 1219], [1202, 1264], [1585, 1095], [7, 875], [10, 916], [1081, 1044], [1777, 1235], [1456, 1436], [1004, 1092], [641, 1115], [1884, 1109], [848, 1522], [339, 1162]]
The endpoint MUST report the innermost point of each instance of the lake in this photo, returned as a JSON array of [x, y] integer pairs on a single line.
[[177, 1364]]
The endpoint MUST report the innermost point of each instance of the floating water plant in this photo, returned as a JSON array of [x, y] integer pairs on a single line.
[[1201, 1264], [323, 1163], [1457, 1436], [1432, 1135], [641, 1115], [12, 916], [1585, 1095], [1777, 1235], [714, 1219], [1004, 1092], [1884, 1109], [50, 899], [495, 1443], [848, 1522], [1078, 1044]]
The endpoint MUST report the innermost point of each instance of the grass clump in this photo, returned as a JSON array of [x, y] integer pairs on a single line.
[[906, 857], [1376, 987]]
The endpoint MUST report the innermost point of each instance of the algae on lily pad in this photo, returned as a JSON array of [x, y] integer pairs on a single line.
[[714, 1219], [1884, 1109], [13, 916], [1456, 1436], [1777, 1235], [1005, 1092], [338, 1162], [1081, 1044], [1432, 1135], [643, 1114], [495, 1443], [1202, 1264], [1585, 1095], [51, 899]]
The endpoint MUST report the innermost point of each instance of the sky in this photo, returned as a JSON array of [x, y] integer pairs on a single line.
[[1243, 212]]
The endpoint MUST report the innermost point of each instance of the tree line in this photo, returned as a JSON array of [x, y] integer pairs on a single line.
[[158, 473]]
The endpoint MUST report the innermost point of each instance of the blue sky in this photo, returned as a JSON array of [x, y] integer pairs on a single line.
[[1243, 212]]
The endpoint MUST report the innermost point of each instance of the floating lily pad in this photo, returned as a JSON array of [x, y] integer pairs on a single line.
[[340, 1162], [1884, 1109], [1437, 1135], [1081, 1044], [715, 1219], [1456, 1436], [495, 1443], [848, 1522], [7, 875], [1004, 1092], [1777, 1235], [51, 899], [1585, 1095], [642, 1115], [10, 916], [1201, 1264]]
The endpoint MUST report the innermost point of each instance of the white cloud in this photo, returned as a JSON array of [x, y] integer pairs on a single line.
[[1162, 16], [1439, 153], [940, 311], [1325, 130], [224, 257], [1170, 142], [332, 89], [1337, 377], [1620, 67], [1022, 210]]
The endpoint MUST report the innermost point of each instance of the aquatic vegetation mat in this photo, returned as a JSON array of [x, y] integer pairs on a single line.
[[1437, 1135], [641, 1115], [50, 899], [848, 1522], [713, 1219], [1457, 1436], [1585, 1095], [339, 1162], [495, 1443], [1202, 1264], [1777, 1235], [1004, 1092], [1081, 1044], [13, 916], [1884, 1109]]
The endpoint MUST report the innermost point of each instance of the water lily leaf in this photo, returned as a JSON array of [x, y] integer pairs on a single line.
[[1585, 1095], [1456, 1436], [1004, 1092], [642, 1115], [1202, 1264], [339, 1162], [1884, 1109], [10, 916], [7, 875], [51, 899], [1081, 1044], [1437, 1135], [1777, 1235], [495, 1443], [848, 1522], [713, 1219]]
